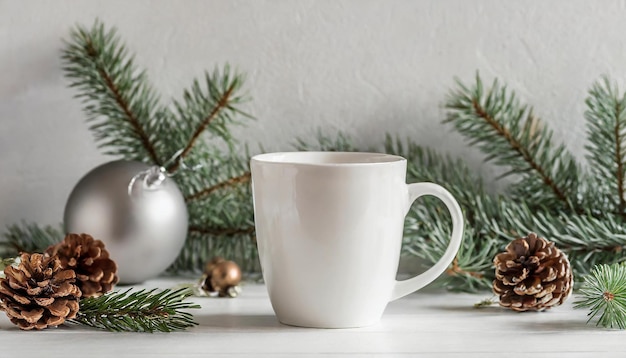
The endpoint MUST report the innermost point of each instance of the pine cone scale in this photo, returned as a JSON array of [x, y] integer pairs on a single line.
[[90, 286], [64, 276], [34, 291], [14, 285], [59, 308], [518, 249], [108, 278], [32, 316], [97, 276], [55, 321], [9, 291], [44, 301], [547, 289]]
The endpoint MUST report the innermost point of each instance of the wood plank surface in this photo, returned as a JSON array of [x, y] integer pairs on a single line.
[[425, 324]]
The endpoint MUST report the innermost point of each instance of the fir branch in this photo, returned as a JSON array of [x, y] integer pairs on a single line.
[[222, 102], [210, 108], [455, 269], [4, 263], [29, 237], [606, 128], [203, 245], [119, 102], [122, 102], [493, 222], [425, 164], [222, 232], [225, 211], [603, 293], [140, 311], [487, 302], [510, 135], [241, 179], [127, 118]]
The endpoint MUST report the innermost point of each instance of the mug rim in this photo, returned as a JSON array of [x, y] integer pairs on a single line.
[[316, 158]]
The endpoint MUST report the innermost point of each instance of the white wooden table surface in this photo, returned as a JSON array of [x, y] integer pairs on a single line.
[[424, 324]]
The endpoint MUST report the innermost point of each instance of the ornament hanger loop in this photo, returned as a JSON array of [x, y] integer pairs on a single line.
[[183, 166], [154, 176]]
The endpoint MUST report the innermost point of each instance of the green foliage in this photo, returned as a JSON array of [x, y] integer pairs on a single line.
[[510, 135], [428, 226], [129, 120], [29, 237], [4, 263], [603, 293], [606, 126], [580, 207], [140, 311], [553, 195], [121, 105]]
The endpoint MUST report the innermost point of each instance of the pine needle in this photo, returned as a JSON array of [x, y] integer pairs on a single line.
[[29, 237], [487, 302], [603, 293], [140, 311]]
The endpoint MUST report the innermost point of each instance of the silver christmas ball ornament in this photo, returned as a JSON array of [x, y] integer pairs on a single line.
[[136, 210]]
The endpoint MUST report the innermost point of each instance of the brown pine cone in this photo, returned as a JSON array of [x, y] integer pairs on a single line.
[[532, 275], [39, 293], [96, 273]]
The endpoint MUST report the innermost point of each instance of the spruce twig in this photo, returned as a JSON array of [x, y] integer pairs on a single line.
[[222, 102], [606, 128], [128, 120], [241, 179], [222, 232], [603, 293], [510, 134], [120, 104], [29, 237], [487, 302], [140, 311]]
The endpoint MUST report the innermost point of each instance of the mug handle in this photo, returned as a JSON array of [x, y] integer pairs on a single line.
[[403, 288]]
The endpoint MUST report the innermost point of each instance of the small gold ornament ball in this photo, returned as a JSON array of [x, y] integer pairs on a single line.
[[221, 276], [208, 268]]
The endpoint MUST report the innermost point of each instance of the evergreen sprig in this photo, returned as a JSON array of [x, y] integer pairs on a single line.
[[129, 120], [510, 135], [606, 126], [507, 132], [29, 237], [140, 311], [582, 208], [121, 105], [603, 293]]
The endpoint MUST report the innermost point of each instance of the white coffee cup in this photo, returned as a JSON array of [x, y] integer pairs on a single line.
[[329, 230]]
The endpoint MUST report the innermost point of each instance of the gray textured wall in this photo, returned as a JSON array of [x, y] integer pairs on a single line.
[[364, 67]]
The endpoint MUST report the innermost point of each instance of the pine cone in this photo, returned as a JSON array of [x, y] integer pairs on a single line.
[[95, 271], [532, 275], [38, 292]]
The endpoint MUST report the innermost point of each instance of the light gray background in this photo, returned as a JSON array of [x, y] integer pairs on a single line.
[[363, 67]]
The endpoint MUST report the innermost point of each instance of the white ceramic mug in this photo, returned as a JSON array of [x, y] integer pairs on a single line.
[[329, 230]]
